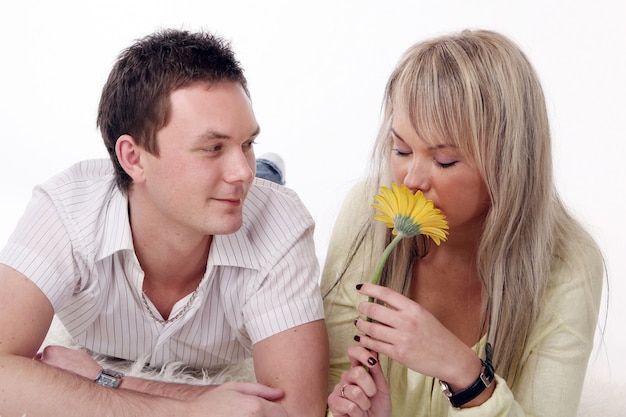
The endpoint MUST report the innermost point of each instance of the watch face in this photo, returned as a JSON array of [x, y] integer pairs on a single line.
[[445, 389], [108, 378]]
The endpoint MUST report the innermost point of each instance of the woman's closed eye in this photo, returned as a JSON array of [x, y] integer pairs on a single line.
[[399, 152], [446, 164]]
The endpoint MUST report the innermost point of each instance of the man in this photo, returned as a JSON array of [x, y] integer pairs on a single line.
[[172, 252]]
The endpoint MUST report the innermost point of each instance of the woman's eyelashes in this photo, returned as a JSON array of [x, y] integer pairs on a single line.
[[439, 162], [444, 165], [399, 152], [442, 156]]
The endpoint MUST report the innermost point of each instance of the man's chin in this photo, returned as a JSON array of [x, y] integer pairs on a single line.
[[227, 228]]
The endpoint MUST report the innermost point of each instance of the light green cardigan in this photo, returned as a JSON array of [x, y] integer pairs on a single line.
[[554, 361]]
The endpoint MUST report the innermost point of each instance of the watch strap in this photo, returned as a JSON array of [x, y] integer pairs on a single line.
[[457, 399]]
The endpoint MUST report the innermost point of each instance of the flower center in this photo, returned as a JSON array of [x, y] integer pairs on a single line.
[[406, 225]]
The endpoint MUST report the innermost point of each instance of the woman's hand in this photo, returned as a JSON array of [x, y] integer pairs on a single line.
[[72, 360], [362, 390], [408, 333]]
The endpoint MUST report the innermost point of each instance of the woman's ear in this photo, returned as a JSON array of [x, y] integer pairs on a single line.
[[129, 157]]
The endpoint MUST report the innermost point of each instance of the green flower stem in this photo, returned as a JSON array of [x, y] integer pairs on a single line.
[[383, 259], [381, 264]]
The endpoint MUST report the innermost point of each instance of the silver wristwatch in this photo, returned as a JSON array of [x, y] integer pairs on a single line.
[[109, 378]]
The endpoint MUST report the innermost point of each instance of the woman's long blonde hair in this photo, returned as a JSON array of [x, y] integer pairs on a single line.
[[478, 90]]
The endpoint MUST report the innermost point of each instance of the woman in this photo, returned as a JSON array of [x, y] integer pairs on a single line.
[[464, 122]]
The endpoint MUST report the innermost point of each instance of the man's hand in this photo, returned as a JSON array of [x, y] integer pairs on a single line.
[[72, 360], [239, 399]]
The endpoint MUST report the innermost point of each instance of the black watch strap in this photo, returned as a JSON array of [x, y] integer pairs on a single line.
[[457, 399]]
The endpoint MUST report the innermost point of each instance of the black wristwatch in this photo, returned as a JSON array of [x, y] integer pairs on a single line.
[[457, 399], [109, 378]]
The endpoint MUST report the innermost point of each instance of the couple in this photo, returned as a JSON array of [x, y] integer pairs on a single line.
[[175, 250]]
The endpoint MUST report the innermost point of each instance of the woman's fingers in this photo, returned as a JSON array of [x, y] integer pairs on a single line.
[[362, 361], [351, 396], [348, 399], [388, 296], [393, 312]]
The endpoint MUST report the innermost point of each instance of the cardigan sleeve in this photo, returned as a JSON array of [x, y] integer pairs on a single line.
[[555, 358]]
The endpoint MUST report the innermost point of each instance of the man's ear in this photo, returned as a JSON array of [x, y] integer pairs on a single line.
[[129, 156]]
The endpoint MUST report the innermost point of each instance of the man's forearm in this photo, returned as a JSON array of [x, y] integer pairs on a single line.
[[164, 389], [79, 362], [30, 388]]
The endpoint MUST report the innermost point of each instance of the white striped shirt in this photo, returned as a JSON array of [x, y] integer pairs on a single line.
[[74, 241]]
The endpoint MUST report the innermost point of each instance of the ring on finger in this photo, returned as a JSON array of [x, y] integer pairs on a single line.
[[343, 394]]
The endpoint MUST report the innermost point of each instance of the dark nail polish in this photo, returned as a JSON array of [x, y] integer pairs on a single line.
[[357, 338], [358, 286], [355, 321], [372, 361]]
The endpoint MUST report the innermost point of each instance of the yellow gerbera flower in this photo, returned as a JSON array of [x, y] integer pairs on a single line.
[[409, 215]]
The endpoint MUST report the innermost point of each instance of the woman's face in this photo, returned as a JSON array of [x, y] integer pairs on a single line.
[[440, 172]]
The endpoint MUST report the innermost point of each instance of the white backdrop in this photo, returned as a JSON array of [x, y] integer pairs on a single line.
[[316, 72]]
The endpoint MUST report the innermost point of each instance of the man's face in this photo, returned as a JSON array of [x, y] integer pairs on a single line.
[[206, 161]]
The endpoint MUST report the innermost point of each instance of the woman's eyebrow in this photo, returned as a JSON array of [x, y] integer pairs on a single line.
[[431, 147], [394, 133]]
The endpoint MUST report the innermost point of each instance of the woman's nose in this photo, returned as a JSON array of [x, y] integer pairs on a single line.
[[418, 176]]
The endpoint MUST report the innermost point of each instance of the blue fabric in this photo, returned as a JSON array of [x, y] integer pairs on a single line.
[[268, 170]]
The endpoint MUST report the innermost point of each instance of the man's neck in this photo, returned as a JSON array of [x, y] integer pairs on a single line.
[[173, 268], [170, 256]]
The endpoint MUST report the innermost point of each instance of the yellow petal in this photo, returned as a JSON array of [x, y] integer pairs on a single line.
[[414, 213]]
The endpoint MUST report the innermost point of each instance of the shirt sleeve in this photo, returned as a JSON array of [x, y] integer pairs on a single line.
[[41, 249], [287, 294]]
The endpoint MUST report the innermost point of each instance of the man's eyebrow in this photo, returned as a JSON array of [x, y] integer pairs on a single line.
[[431, 147], [213, 135]]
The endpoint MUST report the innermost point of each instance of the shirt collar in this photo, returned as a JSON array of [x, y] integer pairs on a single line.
[[116, 233], [235, 249]]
